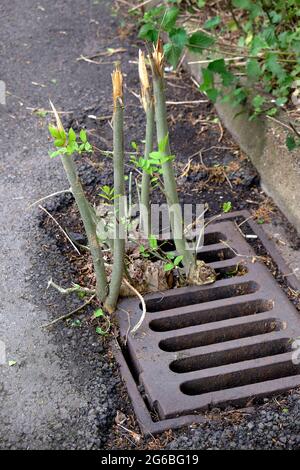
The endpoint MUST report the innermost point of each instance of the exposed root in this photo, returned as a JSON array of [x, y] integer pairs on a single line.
[[144, 309], [70, 290], [68, 315], [60, 227], [64, 191]]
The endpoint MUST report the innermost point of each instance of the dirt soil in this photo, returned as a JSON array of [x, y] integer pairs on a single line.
[[65, 392]]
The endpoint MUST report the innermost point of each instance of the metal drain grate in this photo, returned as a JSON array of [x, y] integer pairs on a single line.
[[213, 345]]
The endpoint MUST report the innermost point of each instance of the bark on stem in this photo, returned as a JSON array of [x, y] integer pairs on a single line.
[[86, 216], [175, 212], [89, 225], [119, 187], [145, 192]]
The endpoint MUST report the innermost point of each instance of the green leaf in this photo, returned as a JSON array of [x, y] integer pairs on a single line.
[[83, 136], [212, 94], [272, 64], [59, 142], [212, 22], [100, 331], [198, 41], [162, 145], [245, 4], [272, 112], [207, 80], [178, 37], [12, 363], [290, 142], [281, 101], [98, 313], [169, 18], [148, 32], [258, 101], [173, 50], [227, 206], [172, 54], [178, 260], [71, 135], [153, 242], [253, 69], [168, 267], [88, 147], [57, 153], [54, 131], [218, 66]]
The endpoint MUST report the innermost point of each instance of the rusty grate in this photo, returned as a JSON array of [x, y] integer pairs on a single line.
[[213, 345]]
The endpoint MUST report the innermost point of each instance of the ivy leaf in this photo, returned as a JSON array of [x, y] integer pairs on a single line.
[[199, 41]]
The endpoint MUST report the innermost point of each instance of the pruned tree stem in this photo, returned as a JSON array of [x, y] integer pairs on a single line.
[[89, 225], [175, 212], [145, 190], [119, 187]]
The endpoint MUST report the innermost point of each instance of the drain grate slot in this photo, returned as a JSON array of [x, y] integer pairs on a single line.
[[213, 238], [220, 344], [228, 272], [231, 356], [181, 299], [219, 254], [219, 335], [236, 379], [200, 317]]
